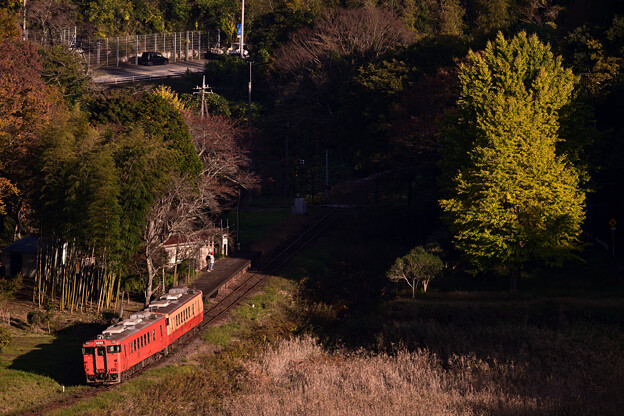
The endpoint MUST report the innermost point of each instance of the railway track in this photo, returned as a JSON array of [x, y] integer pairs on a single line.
[[251, 281], [254, 279]]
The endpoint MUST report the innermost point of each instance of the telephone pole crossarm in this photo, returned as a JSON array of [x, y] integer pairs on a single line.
[[203, 90]]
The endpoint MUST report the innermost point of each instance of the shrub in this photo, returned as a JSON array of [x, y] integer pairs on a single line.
[[5, 337], [35, 318], [9, 286]]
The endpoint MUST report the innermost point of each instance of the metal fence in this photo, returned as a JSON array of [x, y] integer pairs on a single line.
[[123, 50]]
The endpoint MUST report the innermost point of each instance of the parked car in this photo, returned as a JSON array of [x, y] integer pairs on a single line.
[[153, 58], [214, 53], [234, 50]]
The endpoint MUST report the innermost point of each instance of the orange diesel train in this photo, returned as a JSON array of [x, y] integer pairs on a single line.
[[128, 346]]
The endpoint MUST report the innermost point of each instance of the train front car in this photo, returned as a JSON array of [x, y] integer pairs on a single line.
[[101, 361], [124, 348], [183, 309]]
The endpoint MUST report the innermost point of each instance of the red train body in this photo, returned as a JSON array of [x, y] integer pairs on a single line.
[[128, 346]]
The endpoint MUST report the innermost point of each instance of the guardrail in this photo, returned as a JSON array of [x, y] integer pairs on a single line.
[[135, 78]]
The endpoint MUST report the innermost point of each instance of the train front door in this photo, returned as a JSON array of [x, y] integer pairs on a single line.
[[100, 360]]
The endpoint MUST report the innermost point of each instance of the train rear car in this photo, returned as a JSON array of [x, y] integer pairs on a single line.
[[183, 309]]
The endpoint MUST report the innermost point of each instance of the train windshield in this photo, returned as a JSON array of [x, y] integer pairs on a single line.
[[113, 349], [87, 350]]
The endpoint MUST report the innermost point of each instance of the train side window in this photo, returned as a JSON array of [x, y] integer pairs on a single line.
[[193, 309], [130, 347], [111, 349], [154, 335], [167, 322]]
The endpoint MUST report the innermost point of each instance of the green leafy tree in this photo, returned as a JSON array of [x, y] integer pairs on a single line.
[[67, 70], [143, 176], [513, 198], [588, 57], [418, 266], [79, 187]]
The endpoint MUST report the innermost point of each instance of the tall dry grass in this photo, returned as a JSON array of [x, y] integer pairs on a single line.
[[299, 377]]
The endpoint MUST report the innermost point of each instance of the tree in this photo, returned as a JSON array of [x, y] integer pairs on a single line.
[[50, 18], [67, 70], [25, 106], [78, 185], [418, 266], [222, 147], [181, 212], [363, 34], [512, 198]]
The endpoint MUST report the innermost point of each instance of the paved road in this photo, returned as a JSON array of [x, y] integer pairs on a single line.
[[135, 73]]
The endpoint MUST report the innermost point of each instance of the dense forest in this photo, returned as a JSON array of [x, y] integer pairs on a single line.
[[500, 117]]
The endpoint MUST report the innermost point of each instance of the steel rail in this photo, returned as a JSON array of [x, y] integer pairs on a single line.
[[295, 247]]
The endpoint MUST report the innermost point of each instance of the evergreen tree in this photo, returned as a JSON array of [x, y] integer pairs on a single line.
[[512, 198]]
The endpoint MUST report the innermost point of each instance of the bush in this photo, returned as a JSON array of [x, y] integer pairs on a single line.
[[9, 286], [5, 337], [35, 318]]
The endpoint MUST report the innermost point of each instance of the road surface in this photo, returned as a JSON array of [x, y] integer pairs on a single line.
[[135, 73]]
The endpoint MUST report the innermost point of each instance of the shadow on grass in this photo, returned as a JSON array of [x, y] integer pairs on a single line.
[[60, 360]]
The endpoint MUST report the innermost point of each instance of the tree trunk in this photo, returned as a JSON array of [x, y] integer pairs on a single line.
[[151, 272], [150, 276], [514, 276]]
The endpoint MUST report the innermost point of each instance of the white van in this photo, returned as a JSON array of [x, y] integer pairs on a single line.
[[234, 49]]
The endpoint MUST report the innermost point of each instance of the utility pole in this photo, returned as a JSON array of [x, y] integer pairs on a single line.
[[250, 63], [24, 35], [242, 39], [202, 90]]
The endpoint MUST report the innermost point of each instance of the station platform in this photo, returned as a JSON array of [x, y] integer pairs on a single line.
[[225, 270]]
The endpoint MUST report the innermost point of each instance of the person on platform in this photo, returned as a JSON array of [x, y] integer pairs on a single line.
[[210, 260]]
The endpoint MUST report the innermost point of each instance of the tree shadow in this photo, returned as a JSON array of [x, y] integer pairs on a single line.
[[60, 360]]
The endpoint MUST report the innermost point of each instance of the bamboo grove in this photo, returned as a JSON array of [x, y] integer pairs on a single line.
[[77, 280]]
